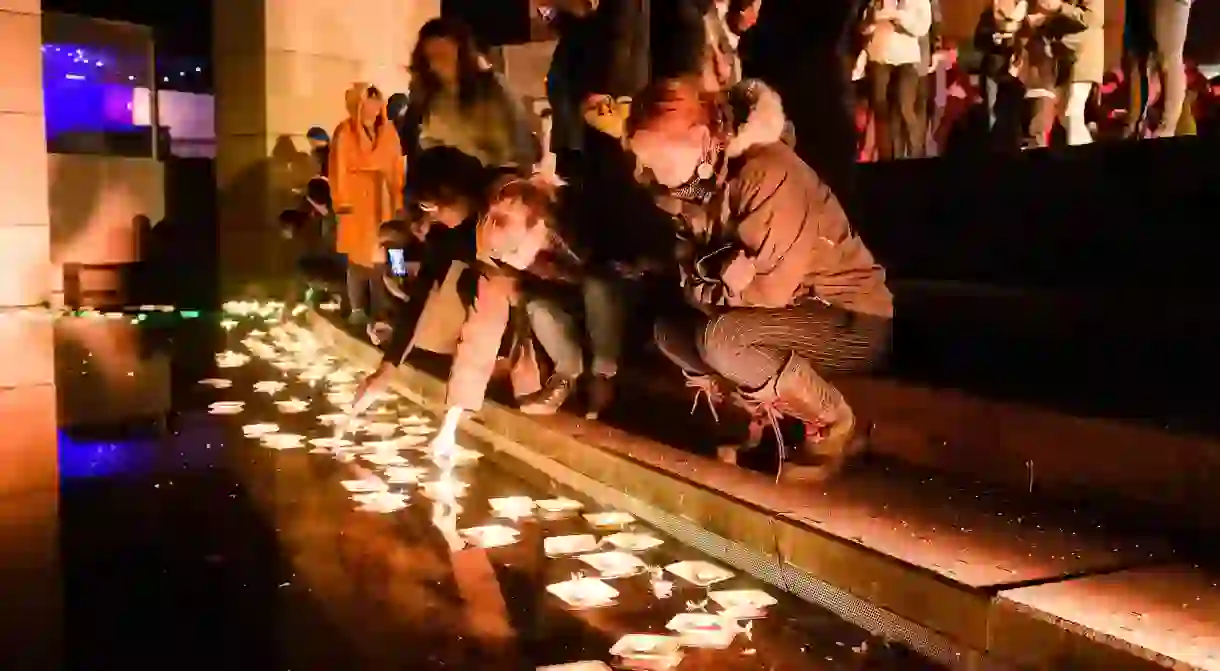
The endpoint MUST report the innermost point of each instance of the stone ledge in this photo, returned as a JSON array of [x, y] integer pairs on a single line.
[[845, 539]]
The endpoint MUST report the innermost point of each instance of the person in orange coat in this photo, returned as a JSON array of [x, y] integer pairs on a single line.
[[366, 181]]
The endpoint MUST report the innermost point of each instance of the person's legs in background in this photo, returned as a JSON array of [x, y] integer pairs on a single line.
[[1170, 21], [1074, 97], [358, 293], [879, 76], [909, 99], [1138, 46], [605, 318], [1043, 109]]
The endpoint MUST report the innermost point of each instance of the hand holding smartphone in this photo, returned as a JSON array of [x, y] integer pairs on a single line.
[[396, 259]]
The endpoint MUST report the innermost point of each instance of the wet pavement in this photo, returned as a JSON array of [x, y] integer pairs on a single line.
[[185, 543]]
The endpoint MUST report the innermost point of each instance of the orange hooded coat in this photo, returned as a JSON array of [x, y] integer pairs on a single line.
[[366, 179]]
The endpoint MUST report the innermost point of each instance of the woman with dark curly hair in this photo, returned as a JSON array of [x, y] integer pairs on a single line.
[[458, 101]]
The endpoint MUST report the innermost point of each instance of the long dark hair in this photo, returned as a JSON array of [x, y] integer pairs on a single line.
[[471, 76]]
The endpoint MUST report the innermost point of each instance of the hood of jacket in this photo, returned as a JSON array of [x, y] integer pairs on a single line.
[[758, 117], [354, 99]]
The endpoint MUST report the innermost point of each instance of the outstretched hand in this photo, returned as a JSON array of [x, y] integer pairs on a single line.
[[366, 391]]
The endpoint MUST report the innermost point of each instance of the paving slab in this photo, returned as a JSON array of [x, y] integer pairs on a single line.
[[1167, 615]]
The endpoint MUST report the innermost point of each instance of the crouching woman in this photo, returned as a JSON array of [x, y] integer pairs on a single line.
[[785, 294]]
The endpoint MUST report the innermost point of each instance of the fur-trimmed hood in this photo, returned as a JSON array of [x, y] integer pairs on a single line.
[[758, 117]]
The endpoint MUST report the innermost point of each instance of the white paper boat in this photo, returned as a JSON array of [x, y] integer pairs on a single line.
[[647, 646], [386, 459], [417, 429], [614, 564], [395, 444], [381, 429], [459, 455], [512, 507], [558, 505], [340, 397], [699, 573], [335, 419], [405, 475], [365, 485], [226, 408], [491, 536], [412, 420], [610, 519], [584, 592], [381, 502], [259, 430], [341, 377], [292, 406], [331, 443], [269, 387], [216, 383], [283, 441], [558, 546], [704, 630], [743, 604], [633, 542], [576, 666], [438, 489]]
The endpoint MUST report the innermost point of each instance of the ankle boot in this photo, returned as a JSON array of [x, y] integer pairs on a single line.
[[550, 398], [756, 426], [798, 391]]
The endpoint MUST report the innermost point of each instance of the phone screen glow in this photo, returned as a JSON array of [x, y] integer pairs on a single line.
[[397, 262]]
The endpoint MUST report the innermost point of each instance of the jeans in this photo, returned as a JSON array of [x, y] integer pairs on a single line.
[[553, 325], [895, 102], [365, 291], [1158, 33]]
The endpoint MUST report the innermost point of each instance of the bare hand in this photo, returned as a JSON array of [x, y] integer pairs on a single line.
[[1050, 5], [366, 391]]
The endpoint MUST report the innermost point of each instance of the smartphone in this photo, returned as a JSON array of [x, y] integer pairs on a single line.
[[396, 259]]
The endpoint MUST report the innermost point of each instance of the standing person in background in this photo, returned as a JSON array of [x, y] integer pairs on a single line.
[[1078, 28], [929, 47], [1155, 32], [458, 101], [895, 71], [366, 180], [601, 60], [800, 47]]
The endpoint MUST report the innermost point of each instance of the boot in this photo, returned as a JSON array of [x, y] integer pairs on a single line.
[[756, 426], [550, 398], [798, 391], [712, 389], [601, 394]]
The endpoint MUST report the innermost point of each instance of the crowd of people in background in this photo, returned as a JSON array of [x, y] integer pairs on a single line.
[[1032, 66], [669, 171]]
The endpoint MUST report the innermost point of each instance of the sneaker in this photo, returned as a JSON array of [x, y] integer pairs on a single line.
[[601, 395], [358, 318], [550, 398], [379, 333]]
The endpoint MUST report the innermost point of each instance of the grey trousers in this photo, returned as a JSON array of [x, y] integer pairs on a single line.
[[555, 328]]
